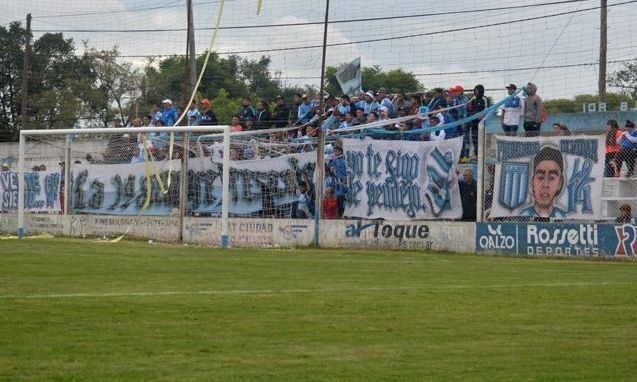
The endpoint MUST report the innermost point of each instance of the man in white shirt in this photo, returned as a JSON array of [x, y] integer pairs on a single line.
[[512, 111]]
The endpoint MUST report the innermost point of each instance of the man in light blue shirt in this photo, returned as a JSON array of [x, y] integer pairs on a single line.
[[193, 112], [306, 109], [383, 100]]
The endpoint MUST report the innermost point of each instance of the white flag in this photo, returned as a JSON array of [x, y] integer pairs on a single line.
[[349, 77]]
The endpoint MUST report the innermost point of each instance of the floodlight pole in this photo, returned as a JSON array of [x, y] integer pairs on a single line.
[[320, 149]]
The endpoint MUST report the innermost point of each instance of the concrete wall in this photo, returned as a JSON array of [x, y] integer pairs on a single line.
[[427, 235], [146, 227], [251, 233], [257, 233], [534, 239]]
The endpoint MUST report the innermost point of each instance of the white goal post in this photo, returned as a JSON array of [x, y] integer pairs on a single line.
[[67, 133]]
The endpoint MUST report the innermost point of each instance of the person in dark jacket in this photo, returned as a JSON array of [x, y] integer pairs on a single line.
[[208, 117], [281, 113], [468, 196], [264, 117], [475, 106], [246, 111]]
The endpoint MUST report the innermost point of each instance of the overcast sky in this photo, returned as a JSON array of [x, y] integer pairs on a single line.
[[442, 50]]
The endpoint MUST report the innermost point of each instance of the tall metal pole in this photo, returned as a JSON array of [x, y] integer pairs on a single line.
[[25, 74], [192, 63], [320, 150], [601, 85]]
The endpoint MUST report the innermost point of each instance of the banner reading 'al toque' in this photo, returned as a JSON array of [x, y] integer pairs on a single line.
[[548, 177], [402, 180]]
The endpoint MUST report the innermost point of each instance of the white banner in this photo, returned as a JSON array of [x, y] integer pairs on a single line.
[[349, 77], [402, 180], [255, 185], [548, 177], [41, 191], [120, 189]]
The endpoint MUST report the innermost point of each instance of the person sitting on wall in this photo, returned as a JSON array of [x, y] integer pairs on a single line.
[[625, 215], [547, 183]]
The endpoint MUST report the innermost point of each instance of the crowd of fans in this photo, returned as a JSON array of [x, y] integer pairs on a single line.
[[291, 128]]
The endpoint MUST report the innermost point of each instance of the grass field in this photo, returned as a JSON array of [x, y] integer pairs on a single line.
[[79, 310]]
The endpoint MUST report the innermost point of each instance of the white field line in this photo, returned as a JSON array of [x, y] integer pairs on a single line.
[[300, 291]]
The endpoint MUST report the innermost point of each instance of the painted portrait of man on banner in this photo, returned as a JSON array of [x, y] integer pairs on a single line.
[[548, 177], [547, 183]]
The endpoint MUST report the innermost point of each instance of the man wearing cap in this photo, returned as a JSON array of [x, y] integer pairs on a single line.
[[512, 110], [281, 113], [5, 167], [194, 116], [169, 114], [368, 104], [459, 103], [208, 117]]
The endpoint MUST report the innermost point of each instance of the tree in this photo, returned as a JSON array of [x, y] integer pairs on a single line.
[[117, 86], [11, 61], [625, 79], [58, 81], [257, 78]]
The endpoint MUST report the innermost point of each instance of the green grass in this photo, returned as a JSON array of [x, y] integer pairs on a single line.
[[79, 310]]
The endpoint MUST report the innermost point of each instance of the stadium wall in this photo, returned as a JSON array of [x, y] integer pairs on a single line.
[[258, 233], [529, 239]]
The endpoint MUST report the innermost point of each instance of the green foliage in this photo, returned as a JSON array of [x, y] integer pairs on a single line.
[[625, 79], [11, 62], [224, 107]]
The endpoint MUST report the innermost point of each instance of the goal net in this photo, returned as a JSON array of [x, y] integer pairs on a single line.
[[110, 182]]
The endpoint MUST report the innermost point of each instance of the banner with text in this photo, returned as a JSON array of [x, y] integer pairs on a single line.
[[349, 77], [548, 177], [41, 191], [121, 189], [257, 187], [402, 180]]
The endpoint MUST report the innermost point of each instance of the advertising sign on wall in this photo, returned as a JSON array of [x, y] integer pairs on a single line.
[[548, 239]]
